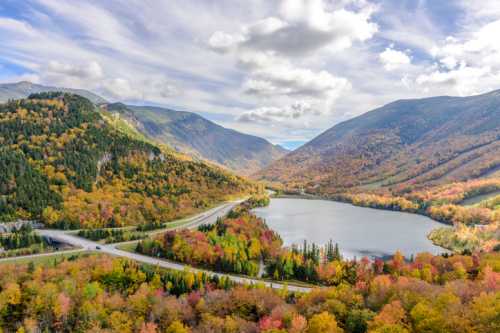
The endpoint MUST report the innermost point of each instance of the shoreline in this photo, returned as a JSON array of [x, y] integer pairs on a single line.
[[325, 198], [307, 196]]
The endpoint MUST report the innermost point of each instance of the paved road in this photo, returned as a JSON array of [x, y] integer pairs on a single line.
[[208, 217], [46, 254]]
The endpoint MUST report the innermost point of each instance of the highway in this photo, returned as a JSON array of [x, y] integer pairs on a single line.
[[208, 217]]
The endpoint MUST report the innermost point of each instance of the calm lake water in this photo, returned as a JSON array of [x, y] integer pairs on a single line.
[[359, 231]]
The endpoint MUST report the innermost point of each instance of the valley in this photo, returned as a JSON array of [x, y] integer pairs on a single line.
[[426, 156], [196, 136], [124, 200], [289, 166]]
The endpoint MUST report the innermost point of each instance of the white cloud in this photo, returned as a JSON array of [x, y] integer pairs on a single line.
[[468, 63], [277, 114], [280, 77], [463, 80], [279, 81], [483, 43], [305, 26], [267, 51], [154, 88], [450, 62], [223, 42], [92, 70], [483, 9], [393, 59], [280, 69], [17, 27], [121, 88]]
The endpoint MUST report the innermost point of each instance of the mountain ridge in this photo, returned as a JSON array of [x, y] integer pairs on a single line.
[[191, 133], [398, 143]]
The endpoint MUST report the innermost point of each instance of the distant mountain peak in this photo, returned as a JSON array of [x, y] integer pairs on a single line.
[[24, 83], [23, 89]]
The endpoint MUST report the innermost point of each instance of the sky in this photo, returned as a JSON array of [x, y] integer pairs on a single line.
[[285, 70]]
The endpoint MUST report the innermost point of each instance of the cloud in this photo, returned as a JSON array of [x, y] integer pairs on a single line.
[[154, 88], [393, 59], [268, 51], [279, 69], [279, 81], [223, 42], [484, 9], [481, 47], [121, 88], [17, 27], [92, 70], [466, 64], [273, 114], [280, 77], [305, 26], [464, 80]]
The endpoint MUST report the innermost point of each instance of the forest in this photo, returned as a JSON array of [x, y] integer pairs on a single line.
[[65, 165], [23, 241], [110, 236], [236, 243], [98, 293], [241, 242]]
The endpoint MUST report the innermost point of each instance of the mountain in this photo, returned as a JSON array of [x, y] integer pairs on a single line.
[[24, 89], [192, 134], [408, 143], [62, 163]]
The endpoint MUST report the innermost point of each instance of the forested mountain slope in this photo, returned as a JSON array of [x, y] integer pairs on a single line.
[[24, 89], [404, 145], [190, 133], [63, 163]]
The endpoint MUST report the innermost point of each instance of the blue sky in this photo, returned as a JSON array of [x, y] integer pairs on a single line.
[[285, 70]]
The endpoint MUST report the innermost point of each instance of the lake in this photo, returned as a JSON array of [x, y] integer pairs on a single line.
[[359, 231]]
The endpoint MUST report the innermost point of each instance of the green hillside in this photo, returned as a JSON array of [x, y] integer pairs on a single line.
[[63, 163]]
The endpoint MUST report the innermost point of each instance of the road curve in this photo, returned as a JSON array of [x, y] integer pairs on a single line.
[[208, 217]]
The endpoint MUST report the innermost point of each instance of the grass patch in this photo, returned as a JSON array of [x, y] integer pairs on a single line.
[[44, 259], [128, 247]]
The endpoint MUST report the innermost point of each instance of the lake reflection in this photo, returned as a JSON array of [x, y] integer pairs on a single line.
[[359, 231]]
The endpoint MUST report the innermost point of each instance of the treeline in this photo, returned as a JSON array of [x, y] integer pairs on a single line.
[[234, 244], [442, 211], [150, 225], [456, 294], [467, 239], [238, 242], [310, 263], [455, 193], [443, 203], [111, 235], [258, 201], [22, 241], [64, 165]]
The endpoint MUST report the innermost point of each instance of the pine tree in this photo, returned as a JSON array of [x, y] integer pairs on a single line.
[[336, 253]]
